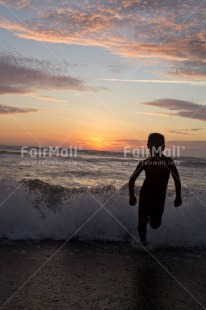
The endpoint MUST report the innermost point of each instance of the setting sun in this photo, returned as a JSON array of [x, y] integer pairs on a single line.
[[98, 143]]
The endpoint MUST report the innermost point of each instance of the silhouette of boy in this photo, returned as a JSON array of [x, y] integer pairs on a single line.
[[152, 195]]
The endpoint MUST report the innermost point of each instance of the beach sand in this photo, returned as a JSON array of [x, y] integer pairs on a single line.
[[100, 276]]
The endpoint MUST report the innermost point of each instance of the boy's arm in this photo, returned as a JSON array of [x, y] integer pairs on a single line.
[[132, 180], [176, 177]]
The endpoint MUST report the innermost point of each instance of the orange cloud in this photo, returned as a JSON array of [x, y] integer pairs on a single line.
[[130, 28]]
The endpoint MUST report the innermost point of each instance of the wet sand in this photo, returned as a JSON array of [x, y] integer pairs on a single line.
[[100, 276]]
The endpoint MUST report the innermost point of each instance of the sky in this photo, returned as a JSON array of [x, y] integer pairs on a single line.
[[103, 74]]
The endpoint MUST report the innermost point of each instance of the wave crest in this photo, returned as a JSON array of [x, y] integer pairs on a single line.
[[35, 210]]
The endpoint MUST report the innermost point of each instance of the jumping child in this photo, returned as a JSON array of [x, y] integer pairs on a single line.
[[152, 195]]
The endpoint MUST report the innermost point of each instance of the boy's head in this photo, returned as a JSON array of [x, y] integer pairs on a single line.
[[156, 143]]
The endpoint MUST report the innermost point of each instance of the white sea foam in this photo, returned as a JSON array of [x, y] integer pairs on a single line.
[[24, 217]]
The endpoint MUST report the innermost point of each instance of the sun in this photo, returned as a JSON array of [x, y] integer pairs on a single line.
[[98, 143]]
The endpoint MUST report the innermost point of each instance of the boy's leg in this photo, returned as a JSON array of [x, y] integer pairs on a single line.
[[142, 228], [155, 214], [154, 222], [143, 213]]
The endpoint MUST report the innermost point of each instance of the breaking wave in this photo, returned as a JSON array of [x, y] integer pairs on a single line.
[[36, 210]]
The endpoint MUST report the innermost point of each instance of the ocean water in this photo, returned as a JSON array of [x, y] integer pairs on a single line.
[[86, 197]]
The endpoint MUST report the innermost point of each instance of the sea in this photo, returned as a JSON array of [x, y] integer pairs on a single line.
[[84, 197]]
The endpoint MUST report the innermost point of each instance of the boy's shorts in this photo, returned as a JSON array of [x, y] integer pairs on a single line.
[[152, 206]]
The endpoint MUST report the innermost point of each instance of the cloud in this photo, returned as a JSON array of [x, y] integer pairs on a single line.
[[17, 4], [23, 75], [191, 129], [14, 110], [47, 98], [192, 69], [130, 28], [29, 5], [180, 132], [155, 114], [200, 83], [186, 131], [184, 108]]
